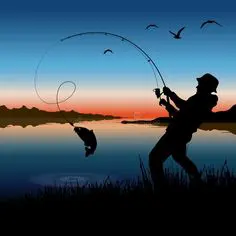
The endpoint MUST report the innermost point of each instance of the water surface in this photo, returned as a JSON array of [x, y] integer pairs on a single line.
[[50, 153]]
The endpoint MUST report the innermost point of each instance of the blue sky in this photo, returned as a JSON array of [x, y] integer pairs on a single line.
[[28, 28]]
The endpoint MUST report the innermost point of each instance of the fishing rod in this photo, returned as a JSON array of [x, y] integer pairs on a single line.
[[123, 39], [147, 57]]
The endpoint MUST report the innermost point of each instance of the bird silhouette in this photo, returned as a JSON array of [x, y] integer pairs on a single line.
[[151, 25], [209, 22], [177, 36], [107, 50]]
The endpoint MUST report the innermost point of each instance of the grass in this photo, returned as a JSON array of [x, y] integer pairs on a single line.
[[131, 198]]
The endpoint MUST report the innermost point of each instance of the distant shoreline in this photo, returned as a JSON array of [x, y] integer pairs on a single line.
[[227, 116], [223, 120], [33, 116]]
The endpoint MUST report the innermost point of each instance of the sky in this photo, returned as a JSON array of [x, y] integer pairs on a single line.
[[121, 83]]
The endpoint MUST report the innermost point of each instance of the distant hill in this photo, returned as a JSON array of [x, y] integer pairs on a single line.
[[24, 116], [36, 113]]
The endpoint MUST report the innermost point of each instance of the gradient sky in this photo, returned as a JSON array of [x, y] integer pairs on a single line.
[[119, 83]]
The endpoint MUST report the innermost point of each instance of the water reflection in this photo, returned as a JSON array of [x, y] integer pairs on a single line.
[[54, 149], [228, 127], [221, 126]]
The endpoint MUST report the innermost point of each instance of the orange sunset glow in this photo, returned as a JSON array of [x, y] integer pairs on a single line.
[[135, 104], [124, 110]]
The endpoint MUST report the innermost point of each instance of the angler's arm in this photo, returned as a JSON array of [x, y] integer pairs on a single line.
[[176, 99], [172, 111], [173, 96]]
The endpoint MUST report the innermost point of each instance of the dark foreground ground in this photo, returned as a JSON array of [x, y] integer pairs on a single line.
[[131, 203]]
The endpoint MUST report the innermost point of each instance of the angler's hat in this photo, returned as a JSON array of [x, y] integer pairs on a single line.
[[209, 81]]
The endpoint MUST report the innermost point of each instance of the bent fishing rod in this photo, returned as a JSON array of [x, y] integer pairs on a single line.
[[147, 57]]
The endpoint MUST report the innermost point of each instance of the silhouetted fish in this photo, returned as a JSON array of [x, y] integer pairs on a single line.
[[177, 35], [88, 138], [209, 22]]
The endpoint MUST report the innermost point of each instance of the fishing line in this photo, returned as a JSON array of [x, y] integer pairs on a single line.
[[69, 81], [147, 57], [36, 77], [71, 123]]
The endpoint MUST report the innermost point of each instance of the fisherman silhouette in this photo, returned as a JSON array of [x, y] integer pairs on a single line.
[[184, 122]]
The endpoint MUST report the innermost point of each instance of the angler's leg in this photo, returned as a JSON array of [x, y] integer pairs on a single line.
[[179, 155], [157, 157]]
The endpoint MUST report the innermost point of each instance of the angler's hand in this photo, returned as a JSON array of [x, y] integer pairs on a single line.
[[163, 102], [157, 92], [167, 91]]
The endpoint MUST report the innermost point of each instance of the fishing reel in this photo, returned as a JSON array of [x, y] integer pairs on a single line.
[[157, 92], [158, 95]]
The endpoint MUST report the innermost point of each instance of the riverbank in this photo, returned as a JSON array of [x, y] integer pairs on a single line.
[[217, 193]]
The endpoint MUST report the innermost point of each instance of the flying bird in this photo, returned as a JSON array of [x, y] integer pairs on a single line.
[[209, 22], [107, 50], [177, 36], [151, 25]]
